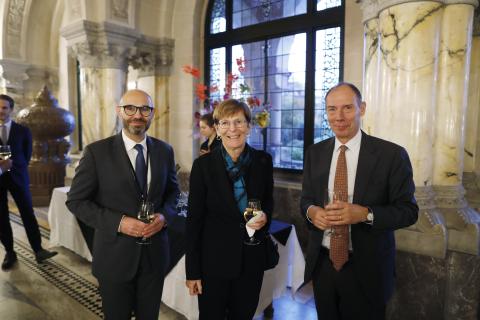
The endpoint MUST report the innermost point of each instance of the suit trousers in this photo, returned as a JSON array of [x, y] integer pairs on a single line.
[[232, 299], [339, 295], [23, 199], [142, 294]]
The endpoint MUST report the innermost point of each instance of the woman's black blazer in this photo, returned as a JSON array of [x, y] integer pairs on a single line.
[[215, 231]]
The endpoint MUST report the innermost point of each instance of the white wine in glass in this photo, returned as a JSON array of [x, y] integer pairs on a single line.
[[146, 214], [5, 152], [253, 208]]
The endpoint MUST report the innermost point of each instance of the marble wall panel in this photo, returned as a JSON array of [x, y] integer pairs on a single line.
[[453, 66], [100, 91], [370, 82], [406, 81], [472, 136]]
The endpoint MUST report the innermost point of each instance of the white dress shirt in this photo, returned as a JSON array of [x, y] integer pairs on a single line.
[[132, 153], [351, 155]]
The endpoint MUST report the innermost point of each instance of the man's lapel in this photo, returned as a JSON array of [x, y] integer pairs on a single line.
[[367, 160]]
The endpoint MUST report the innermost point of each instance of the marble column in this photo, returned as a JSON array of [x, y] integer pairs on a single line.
[[452, 93], [471, 174], [153, 61], [102, 83], [401, 47], [371, 68], [102, 50]]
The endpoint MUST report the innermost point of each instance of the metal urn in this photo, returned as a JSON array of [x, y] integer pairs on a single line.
[[49, 125]]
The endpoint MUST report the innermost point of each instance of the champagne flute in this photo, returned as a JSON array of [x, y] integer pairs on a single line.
[[253, 208], [331, 196], [146, 215], [5, 152]]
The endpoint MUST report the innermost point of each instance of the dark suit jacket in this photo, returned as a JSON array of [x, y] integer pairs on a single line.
[[215, 227], [384, 182], [104, 189], [20, 142]]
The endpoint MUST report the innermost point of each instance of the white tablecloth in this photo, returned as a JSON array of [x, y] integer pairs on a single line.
[[64, 231]]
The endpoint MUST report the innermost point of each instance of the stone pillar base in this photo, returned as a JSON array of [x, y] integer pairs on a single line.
[[463, 223]]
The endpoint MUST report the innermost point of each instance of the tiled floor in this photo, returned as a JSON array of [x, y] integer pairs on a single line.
[[63, 288]]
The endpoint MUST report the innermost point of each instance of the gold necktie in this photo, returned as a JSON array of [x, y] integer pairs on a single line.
[[339, 237]]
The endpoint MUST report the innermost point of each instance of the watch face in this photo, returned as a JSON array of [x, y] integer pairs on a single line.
[[370, 216]]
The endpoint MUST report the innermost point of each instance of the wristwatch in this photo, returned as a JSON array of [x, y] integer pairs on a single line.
[[369, 216]]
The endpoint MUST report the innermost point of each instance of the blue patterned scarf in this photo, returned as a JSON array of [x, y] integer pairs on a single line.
[[237, 171]]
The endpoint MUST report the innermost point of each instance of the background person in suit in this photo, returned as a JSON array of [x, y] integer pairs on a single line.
[[106, 194], [222, 270], [381, 184], [207, 129], [17, 182]]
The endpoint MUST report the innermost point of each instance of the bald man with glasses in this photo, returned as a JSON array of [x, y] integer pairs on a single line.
[[114, 177]]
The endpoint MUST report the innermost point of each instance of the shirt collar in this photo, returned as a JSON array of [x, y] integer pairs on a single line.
[[130, 144], [8, 124], [352, 144]]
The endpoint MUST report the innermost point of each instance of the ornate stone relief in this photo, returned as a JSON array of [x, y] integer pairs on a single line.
[[153, 56], [14, 27], [101, 45], [120, 9]]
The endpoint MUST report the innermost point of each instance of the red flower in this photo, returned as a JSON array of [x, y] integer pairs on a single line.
[[191, 70], [200, 91]]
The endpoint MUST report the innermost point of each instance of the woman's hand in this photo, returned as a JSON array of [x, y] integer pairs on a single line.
[[194, 287], [258, 222]]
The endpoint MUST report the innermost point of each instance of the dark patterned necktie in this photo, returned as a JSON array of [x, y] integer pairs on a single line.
[[3, 133], [140, 168], [339, 237]]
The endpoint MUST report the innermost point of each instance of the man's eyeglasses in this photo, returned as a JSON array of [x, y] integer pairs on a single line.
[[131, 110], [237, 123]]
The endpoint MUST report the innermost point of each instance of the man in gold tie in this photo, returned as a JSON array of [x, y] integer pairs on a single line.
[[357, 189]]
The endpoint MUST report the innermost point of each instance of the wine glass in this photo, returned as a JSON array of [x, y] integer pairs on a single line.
[[146, 215], [5, 153], [331, 196], [253, 208]]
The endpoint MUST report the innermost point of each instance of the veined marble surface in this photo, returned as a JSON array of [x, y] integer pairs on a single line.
[[472, 133], [452, 91], [404, 112], [370, 77], [100, 90]]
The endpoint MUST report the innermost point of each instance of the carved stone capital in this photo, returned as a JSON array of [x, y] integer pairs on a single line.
[[153, 56], [104, 45], [14, 73]]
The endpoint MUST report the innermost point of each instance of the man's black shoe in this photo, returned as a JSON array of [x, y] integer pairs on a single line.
[[9, 261], [42, 255]]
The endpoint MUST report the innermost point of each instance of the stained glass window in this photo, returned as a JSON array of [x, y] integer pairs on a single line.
[[246, 13], [325, 4], [217, 73], [218, 20], [288, 70], [327, 74]]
